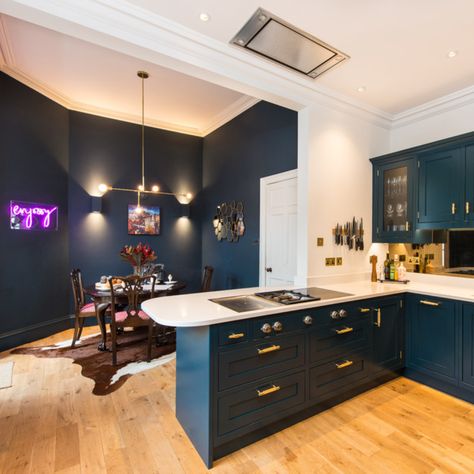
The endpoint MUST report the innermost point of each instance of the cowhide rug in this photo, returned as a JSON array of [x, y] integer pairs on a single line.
[[97, 365]]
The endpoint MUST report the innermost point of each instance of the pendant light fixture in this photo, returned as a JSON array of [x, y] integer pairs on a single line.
[[141, 188]]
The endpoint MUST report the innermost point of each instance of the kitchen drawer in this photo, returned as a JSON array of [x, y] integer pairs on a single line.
[[252, 405], [234, 332], [330, 341], [255, 361], [338, 376]]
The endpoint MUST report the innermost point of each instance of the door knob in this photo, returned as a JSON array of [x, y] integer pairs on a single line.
[[268, 269]]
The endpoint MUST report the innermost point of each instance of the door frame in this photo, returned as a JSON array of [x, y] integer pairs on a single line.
[[264, 182]]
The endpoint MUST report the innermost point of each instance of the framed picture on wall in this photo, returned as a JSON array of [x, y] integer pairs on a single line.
[[144, 222]]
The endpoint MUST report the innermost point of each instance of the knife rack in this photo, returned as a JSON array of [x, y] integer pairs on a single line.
[[350, 234]]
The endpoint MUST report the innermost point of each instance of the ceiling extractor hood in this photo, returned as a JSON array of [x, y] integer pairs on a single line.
[[275, 39]]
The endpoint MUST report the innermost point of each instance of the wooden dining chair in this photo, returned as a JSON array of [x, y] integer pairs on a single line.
[[132, 315], [82, 310], [206, 278]]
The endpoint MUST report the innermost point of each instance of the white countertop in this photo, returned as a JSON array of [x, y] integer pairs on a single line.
[[196, 310]]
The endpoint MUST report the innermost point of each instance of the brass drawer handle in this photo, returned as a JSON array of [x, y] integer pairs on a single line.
[[347, 363], [453, 208], [344, 331], [429, 303], [378, 323], [272, 389], [268, 349], [467, 207], [364, 310], [236, 335]]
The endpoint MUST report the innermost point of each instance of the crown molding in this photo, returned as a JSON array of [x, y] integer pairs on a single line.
[[443, 104], [230, 112], [6, 52]]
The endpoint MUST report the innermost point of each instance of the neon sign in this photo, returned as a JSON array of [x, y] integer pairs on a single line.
[[33, 216]]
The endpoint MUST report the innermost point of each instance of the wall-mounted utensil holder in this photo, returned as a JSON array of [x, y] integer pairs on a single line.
[[350, 234]]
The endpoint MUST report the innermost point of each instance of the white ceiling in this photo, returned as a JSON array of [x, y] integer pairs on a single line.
[[398, 51], [87, 77], [398, 48]]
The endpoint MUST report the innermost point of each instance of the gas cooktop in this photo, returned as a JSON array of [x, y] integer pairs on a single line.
[[301, 295]]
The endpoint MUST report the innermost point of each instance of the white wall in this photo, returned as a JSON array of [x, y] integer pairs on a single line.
[[335, 181], [445, 124]]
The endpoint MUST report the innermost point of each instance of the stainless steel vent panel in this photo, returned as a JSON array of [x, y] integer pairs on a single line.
[[273, 38], [278, 42]]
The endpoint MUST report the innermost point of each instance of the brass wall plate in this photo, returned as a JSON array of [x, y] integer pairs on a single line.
[[339, 261], [330, 261], [319, 241]]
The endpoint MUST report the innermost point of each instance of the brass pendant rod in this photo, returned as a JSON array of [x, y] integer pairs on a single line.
[[146, 192], [143, 76]]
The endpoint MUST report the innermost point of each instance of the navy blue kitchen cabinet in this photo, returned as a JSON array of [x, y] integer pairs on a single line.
[[388, 334], [441, 179], [432, 337], [240, 381], [469, 204], [394, 199], [467, 347]]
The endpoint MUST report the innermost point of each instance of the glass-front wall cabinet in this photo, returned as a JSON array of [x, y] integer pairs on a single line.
[[393, 200]]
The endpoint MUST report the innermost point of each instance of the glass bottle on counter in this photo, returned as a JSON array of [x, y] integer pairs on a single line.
[[386, 267], [392, 270]]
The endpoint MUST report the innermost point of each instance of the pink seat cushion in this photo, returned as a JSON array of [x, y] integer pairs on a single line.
[[122, 316], [88, 308]]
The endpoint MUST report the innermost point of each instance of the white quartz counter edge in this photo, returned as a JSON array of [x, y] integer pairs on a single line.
[[196, 310]]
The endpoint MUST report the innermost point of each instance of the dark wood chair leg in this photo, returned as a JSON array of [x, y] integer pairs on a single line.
[[76, 332], [113, 331], [100, 313], [81, 326], [150, 337]]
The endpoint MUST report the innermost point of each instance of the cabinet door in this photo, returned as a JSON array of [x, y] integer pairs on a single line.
[[432, 336], [441, 189], [393, 201], [469, 204], [467, 353], [387, 335]]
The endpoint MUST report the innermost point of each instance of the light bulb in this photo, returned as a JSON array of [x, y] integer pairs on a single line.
[[138, 210], [155, 188], [140, 187], [189, 195], [204, 17], [103, 188]]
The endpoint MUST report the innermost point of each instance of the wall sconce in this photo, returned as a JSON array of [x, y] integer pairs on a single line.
[[185, 210], [96, 203]]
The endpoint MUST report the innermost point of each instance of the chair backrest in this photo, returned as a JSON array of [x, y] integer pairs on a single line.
[[133, 290], [77, 289], [206, 278]]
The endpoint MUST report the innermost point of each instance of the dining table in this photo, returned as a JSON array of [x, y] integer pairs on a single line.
[[102, 299]]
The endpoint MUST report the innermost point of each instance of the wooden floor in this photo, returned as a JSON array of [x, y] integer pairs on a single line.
[[50, 422]]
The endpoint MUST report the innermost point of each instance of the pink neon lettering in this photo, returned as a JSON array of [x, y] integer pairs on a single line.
[[29, 212]]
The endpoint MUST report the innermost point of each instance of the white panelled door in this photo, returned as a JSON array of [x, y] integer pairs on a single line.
[[278, 197]]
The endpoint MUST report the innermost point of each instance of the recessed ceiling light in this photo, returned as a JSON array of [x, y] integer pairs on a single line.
[[240, 41], [204, 17], [361, 89], [452, 54]]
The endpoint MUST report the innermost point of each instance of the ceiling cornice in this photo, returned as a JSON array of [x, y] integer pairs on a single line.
[[435, 107]]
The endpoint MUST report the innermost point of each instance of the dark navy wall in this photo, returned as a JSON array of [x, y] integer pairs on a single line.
[[260, 142], [104, 150], [34, 289]]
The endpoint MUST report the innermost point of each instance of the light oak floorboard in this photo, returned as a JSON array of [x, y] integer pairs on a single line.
[[51, 423]]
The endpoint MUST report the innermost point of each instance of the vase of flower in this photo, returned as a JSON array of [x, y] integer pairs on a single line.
[[138, 257]]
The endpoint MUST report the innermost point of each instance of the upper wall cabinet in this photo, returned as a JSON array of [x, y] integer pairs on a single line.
[[394, 206], [441, 189], [423, 188]]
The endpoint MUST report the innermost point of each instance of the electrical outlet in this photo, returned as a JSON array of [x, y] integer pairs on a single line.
[[338, 260], [319, 241], [414, 260], [330, 261], [402, 258]]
